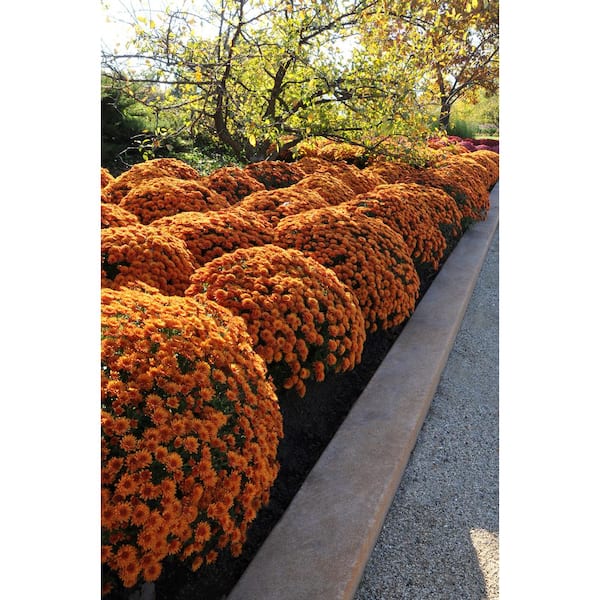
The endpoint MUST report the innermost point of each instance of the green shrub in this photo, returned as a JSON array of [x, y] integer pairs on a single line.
[[463, 129]]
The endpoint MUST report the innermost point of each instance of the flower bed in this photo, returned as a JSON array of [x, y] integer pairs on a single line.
[[255, 321]]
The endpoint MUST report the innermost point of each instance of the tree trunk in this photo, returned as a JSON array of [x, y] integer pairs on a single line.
[[444, 119]]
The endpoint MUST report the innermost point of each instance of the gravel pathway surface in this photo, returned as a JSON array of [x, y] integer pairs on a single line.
[[440, 538]]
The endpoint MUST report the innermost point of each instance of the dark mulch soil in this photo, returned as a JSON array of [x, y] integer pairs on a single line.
[[309, 425]]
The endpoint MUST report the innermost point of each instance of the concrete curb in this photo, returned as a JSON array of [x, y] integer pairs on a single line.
[[321, 545]]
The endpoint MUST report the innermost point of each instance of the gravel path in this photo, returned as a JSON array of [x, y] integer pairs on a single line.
[[440, 538]]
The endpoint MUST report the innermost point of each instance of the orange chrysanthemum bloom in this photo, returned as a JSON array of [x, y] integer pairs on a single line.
[[360, 181], [180, 343], [441, 207], [165, 196], [112, 215], [341, 151], [468, 168], [234, 183], [276, 204], [465, 187], [297, 311], [312, 164], [159, 167], [424, 240], [105, 177], [211, 234], [330, 187], [366, 254], [490, 161], [326, 149], [140, 253], [391, 172], [274, 174]]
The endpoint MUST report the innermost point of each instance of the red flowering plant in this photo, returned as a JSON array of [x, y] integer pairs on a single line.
[[234, 183], [423, 238], [330, 187], [276, 204], [158, 167], [367, 255], [189, 437], [164, 196], [302, 319], [209, 234], [147, 254], [274, 174]]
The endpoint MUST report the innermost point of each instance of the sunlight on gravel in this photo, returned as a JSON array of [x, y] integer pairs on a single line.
[[487, 548]]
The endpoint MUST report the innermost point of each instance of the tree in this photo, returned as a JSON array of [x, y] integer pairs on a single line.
[[453, 43], [260, 76]]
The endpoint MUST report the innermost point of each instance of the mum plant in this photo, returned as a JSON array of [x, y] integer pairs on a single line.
[[276, 204], [164, 196], [391, 171], [158, 167], [190, 430], [210, 234], [440, 206], [274, 174], [367, 255], [112, 215], [301, 318], [333, 190], [358, 180], [105, 177], [469, 193], [234, 183], [141, 253], [469, 169], [423, 238], [491, 162]]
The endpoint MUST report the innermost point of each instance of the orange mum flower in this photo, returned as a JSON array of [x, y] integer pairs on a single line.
[[330, 187], [367, 255], [152, 571], [274, 174], [210, 234], [392, 171], [173, 344], [233, 183], [278, 203], [105, 177], [164, 196], [292, 305], [357, 180], [423, 237], [464, 185], [160, 167], [138, 253], [112, 215]]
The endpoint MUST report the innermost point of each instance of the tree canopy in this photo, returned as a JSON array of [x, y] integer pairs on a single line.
[[454, 44], [258, 76]]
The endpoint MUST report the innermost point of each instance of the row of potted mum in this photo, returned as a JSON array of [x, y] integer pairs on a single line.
[[219, 291]]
